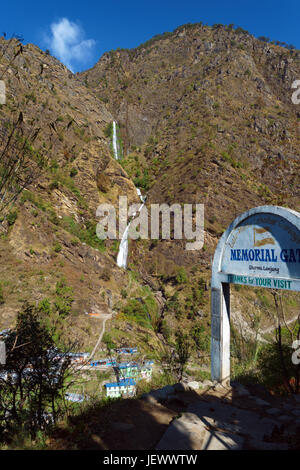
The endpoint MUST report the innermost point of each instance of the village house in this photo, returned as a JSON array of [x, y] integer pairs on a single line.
[[134, 370], [123, 388]]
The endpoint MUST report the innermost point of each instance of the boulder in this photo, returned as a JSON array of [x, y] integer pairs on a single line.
[[103, 182], [190, 432], [193, 385], [207, 383], [160, 394]]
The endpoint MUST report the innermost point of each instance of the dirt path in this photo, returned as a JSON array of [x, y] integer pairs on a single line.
[[246, 330], [288, 322], [104, 318]]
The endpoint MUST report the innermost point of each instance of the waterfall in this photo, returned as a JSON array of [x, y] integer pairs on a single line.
[[123, 249], [115, 141], [142, 198]]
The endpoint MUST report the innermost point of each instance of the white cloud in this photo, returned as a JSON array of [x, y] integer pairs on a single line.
[[67, 43]]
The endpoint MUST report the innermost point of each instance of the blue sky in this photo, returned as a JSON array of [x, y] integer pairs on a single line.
[[79, 32]]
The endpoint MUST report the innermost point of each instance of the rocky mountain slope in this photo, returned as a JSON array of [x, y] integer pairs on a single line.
[[48, 247], [205, 116], [208, 113]]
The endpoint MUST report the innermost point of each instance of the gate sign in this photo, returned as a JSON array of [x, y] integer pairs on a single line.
[[261, 248]]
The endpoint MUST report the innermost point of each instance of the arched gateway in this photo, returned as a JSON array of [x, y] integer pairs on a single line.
[[261, 248]]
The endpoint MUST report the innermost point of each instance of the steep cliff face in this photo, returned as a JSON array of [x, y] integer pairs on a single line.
[[206, 116], [51, 241]]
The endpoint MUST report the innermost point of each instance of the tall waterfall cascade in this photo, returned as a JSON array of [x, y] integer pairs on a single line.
[[123, 248], [115, 141]]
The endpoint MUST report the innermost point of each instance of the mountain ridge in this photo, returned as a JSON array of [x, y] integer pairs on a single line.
[[205, 116]]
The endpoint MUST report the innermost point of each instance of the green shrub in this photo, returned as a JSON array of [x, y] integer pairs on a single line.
[[271, 366], [54, 165], [137, 311], [108, 130], [11, 217], [201, 338], [175, 307], [181, 276], [64, 298], [45, 306], [57, 247], [73, 172], [144, 181], [85, 234], [108, 341], [40, 204], [31, 97], [124, 293]]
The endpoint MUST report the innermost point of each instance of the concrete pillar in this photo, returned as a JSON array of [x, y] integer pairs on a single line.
[[220, 333]]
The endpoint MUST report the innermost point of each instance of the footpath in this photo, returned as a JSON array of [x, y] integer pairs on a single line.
[[217, 418]]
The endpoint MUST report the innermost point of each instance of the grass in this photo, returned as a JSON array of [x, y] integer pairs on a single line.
[[157, 381], [85, 234], [41, 204], [198, 374], [68, 182]]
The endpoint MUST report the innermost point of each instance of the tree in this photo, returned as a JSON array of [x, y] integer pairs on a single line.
[[263, 38], [176, 360], [276, 369], [285, 334], [201, 338], [183, 351], [34, 379]]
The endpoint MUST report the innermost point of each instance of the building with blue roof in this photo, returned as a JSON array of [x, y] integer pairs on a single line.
[[103, 363], [126, 370], [126, 387]]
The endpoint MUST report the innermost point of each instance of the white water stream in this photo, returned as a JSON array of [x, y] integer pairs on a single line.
[[123, 248], [115, 141]]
